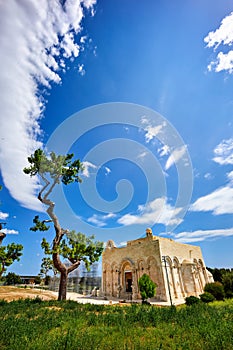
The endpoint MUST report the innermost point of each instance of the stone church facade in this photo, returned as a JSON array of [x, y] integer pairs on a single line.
[[177, 269]]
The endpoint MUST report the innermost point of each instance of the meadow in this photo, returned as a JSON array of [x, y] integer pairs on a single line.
[[38, 325]]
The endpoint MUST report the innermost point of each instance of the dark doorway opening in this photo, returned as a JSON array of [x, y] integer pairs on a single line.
[[128, 281]]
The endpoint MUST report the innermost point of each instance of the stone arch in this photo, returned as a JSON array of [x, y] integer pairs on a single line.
[[203, 273], [127, 279], [187, 268], [141, 267], [170, 281], [155, 273], [106, 283], [115, 272], [198, 276], [177, 277]]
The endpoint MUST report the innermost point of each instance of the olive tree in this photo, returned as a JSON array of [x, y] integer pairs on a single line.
[[8, 254], [75, 247]]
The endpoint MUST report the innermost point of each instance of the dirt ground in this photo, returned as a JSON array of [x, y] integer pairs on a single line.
[[10, 293]]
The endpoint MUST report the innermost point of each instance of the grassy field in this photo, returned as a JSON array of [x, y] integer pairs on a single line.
[[35, 324]]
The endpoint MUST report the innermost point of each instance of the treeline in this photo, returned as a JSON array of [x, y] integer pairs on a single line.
[[225, 277]]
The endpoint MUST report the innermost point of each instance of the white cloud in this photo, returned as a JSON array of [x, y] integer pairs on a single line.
[[156, 211], [108, 170], [222, 35], [219, 202], [175, 156], [202, 235], [224, 152], [208, 176], [230, 176], [81, 69], [35, 38], [100, 220], [3, 216], [151, 130], [164, 151], [142, 155], [88, 165], [10, 232]]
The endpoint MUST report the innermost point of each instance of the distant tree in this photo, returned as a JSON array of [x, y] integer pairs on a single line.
[[47, 265], [75, 247], [217, 274], [227, 281], [147, 287], [8, 254], [216, 289], [11, 279]]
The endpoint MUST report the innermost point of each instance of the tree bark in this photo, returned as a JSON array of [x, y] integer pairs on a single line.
[[63, 275], [63, 285], [64, 271], [2, 236]]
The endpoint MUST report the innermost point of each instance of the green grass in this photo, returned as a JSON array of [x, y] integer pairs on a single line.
[[32, 324]]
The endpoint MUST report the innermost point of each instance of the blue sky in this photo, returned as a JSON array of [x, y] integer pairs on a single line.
[[141, 91]]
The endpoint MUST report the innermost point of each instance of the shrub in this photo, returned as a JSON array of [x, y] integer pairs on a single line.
[[191, 300], [228, 294], [216, 289], [3, 302], [147, 287], [207, 297]]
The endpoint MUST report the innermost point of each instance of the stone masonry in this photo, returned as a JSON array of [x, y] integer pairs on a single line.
[[177, 269]]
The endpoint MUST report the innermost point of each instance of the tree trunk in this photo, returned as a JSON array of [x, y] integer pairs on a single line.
[[63, 285], [2, 236]]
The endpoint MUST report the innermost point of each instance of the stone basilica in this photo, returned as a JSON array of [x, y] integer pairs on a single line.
[[177, 269]]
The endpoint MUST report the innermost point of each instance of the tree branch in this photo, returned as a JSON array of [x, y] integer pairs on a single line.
[[73, 266]]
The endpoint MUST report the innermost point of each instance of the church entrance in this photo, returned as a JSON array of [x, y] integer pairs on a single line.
[[128, 281]]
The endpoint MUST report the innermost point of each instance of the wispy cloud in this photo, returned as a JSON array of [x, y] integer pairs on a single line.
[[202, 235], [208, 176], [36, 38], [219, 202], [175, 156], [222, 35], [151, 130], [164, 151], [223, 153], [81, 69], [101, 220], [158, 211], [230, 177], [87, 167], [142, 155], [107, 170]]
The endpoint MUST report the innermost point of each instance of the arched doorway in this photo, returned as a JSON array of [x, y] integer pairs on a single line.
[[127, 279]]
